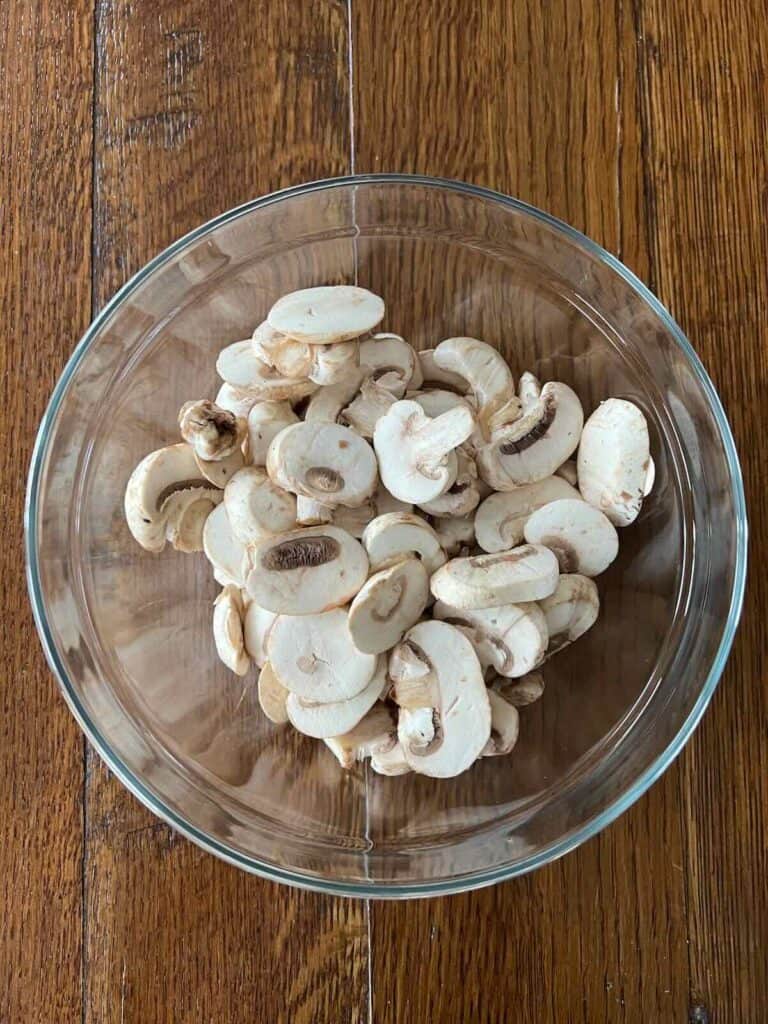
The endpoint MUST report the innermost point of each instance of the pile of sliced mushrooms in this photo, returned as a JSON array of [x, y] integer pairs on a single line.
[[402, 539]]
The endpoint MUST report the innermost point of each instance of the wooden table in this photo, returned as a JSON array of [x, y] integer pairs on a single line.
[[644, 124]]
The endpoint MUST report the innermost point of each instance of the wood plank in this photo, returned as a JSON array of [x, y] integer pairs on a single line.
[[707, 110], [200, 106], [523, 98], [45, 113]]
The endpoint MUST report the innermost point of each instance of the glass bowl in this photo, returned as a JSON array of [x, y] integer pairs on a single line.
[[128, 634]]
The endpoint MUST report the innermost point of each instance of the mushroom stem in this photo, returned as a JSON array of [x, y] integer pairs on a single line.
[[436, 439]]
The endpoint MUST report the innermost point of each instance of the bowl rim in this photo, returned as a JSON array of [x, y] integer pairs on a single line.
[[423, 888]]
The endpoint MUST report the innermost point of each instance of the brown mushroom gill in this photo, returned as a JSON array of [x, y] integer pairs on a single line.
[[182, 485], [324, 478], [537, 431], [564, 551], [302, 553]]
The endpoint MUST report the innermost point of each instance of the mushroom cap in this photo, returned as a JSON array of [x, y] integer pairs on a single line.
[[461, 712], [389, 356], [273, 696], [387, 605], [336, 718], [533, 447], [436, 402], [228, 630], [332, 364], [212, 431], [219, 471], [512, 638], [505, 726], [614, 460], [258, 622], [525, 573], [237, 365], [374, 736], [391, 537], [520, 692], [222, 548], [485, 368], [257, 507], [571, 610], [265, 421], [583, 538], [152, 482], [314, 657], [327, 314], [307, 571], [186, 512], [324, 461], [433, 374], [500, 520], [234, 400]]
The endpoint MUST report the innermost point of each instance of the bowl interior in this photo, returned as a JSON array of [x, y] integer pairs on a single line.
[[130, 632]]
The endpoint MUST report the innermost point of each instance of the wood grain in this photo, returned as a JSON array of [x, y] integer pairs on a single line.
[[45, 207], [200, 106]]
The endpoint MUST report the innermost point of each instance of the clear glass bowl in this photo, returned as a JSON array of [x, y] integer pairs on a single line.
[[128, 634]]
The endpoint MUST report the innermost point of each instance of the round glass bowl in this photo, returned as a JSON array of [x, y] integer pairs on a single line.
[[128, 634]]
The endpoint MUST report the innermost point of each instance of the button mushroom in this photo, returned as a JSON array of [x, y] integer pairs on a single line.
[[520, 692], [388, 356], [526, 573], [220, 471], [237, 365], [314, 657], [571, 610], [332, 364], [614, 460], [417, 459], [451, 695], [338, 717], [500, 520], [273, 696], [327, 314], [388, 604], [234, 400], [367, 408], [568, 472], [455, 533], [265, 421], [489, 378], [256, 507], [289, 357], [432, 374], [326, 404], [375, 737], [306, 571], [584, 540], [222, 548], [528, 389], [212, 432], [435, 403], [324, 461], [186, 512], [389, 538], [228, 630], [505, 726], [462, 496], [258, 622], [512, 637]]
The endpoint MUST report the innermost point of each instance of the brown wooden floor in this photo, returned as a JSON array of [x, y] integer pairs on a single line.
[[642, 122]]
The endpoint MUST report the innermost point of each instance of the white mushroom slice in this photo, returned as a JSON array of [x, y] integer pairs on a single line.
[[152, 482], [289, 357], [327, 314], [314, 513], [455, 533], [326, 403], [505, 726], [391, 537], [391, 357], [571, 610], [265, 421], [220, 471], [374, 737], [212, 431], [258, 623], [489, 377], [257, 507], [584, 540], [451, 697], [537, 443], [526, 573], [238, 402], [519, 692], [353, 520], [500, 520], [417, 459], [435, 403], [365, 411], [462, 496], [322, 721], [222, 548], [432, 374], [237, 365], [332, 364], [314, 657], [273, 696], [385, 502], [529, 390], [568, 472], [228, 630], [614, 460], [387, 605], [324, 461], [391, 761], [307, 571], [186, 512], [650, 477], [512, 638]]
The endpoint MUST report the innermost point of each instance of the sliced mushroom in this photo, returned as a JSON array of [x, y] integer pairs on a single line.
[[212, 431], [526, 573], [186, 512], [390, 357], [391, 537], [462, 496], [455, 533], [258, 623], [505, 726], [500, 520], [450, 699], [314, 657], [614, 460], [512, 638], [327, 314], [568, 472], [273, 696], [650, 477], [535, 445], [222, 548], [307, 571], [519, 692], [584, 540], [265, 421], [489, 378], [289, 357], [436, 402], [367, 408], [228, 630], [257, 507], [152, 482], [220, 471], [390, 761], [417, 459], [336, 718], [310, 512], [432, 374], [571, 610], [385, 502], [387, 605], [529, 390], [237, 365], [324, 461], [332, 364], [326, 404], [375, 736], [238, 402]]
